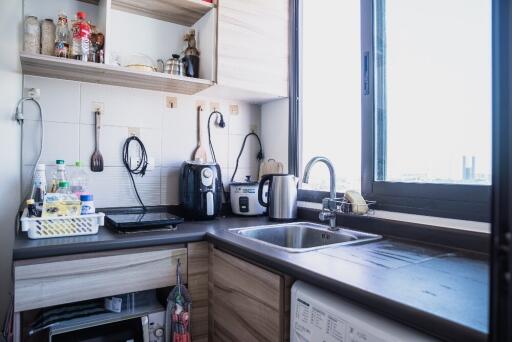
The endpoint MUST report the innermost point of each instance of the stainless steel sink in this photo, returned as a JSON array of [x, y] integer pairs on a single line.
[[303, 236]]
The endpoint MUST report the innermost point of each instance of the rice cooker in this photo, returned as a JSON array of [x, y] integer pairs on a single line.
[[244, 198]]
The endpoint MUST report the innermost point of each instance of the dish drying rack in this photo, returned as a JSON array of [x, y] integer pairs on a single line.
[[343, 206], [50, 227]]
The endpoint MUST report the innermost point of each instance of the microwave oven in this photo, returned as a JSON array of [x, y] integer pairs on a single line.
[[134, 327]]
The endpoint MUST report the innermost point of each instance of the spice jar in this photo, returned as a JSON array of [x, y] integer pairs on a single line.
[[31, 35], [47, 37]]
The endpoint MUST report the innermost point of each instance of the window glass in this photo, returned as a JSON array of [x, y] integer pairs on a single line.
[[331, 96], [433, 91]]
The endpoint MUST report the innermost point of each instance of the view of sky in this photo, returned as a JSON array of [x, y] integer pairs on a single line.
[[438, 90]]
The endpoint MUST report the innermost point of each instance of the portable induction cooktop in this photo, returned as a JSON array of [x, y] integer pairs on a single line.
[[125, 221]]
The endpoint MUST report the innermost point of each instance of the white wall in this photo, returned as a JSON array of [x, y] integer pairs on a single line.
[[10, 91], [274, 128], [168, 134]]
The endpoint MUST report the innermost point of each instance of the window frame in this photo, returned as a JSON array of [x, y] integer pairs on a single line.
[[458, 201]]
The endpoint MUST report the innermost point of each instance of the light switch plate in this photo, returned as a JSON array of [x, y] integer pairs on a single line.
[[233, 109], [171, 102]]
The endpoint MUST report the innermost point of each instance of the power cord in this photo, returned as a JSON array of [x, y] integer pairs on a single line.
[[20, 118], [221, 124], [141, 166], [259, 156]]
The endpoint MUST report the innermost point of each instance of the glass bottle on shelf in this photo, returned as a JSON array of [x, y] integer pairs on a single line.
[[62, 36], [81, 32]]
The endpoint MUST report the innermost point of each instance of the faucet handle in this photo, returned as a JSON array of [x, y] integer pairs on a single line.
[[329, 204]]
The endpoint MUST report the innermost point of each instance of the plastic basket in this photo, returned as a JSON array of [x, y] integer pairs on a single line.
[[49, 227]]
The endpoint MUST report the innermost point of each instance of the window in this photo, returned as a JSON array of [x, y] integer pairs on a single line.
[[331, 79], [397, 93], [433, 91]]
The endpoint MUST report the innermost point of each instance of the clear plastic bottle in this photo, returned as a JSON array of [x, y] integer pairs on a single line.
[[58, 176], [79, 181], [39, 184], [64, 188], [81, 34]]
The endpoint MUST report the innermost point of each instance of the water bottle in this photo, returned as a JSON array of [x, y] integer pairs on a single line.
[[79, 180], [39, 184], [59, 175]]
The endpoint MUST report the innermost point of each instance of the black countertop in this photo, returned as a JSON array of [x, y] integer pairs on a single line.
[[439, 290]]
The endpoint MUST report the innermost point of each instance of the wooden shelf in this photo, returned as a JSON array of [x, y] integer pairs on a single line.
[[68, 69], [183, 12]]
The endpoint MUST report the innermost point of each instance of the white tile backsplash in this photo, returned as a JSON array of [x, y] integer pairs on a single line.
[[170, 137], [60, 142], [59, 99]]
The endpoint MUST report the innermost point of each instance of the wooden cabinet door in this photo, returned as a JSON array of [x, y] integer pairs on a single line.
[[252, 50], [247, 302]]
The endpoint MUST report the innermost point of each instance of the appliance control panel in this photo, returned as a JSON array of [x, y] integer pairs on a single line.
[[207, 177], [318, 315], [156, 327]]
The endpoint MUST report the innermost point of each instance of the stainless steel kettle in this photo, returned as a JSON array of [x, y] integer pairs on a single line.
[[282, 196]]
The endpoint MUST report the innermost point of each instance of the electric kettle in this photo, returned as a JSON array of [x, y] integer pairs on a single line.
[[282, 196]]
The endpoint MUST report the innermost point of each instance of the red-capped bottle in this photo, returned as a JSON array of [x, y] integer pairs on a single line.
[[81, 34]]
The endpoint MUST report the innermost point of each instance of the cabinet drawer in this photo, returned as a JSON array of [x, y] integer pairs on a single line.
[[59, 280]]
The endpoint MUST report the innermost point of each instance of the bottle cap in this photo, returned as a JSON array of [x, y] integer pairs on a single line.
[[30, 201], [59, 162], [63, 184], [78, 163], [81, 15], [86, 197]]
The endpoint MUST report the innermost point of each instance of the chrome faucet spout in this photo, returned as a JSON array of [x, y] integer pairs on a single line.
[[328, 204]]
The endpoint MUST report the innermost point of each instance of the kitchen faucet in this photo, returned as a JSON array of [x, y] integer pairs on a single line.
[[328, 204]]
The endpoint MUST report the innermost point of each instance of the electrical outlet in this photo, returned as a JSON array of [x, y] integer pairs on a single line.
[[233, 109], [214, 106], [134, 163], [34, 93], [171, 102], [98, 107], [201, 104], [133, 131]]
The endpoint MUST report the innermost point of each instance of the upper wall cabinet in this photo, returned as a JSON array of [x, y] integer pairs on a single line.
[[133, 29], [253, 46]]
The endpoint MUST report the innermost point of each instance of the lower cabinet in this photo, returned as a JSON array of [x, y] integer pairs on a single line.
[[246, 302]]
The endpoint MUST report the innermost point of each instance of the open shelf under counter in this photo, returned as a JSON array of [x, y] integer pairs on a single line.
[[68, 69], [182, 12]]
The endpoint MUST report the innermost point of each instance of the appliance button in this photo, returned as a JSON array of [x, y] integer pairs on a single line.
[[207, 173], [159, 332]]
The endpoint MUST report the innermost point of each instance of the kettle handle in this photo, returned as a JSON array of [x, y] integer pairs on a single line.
[[263, 180]]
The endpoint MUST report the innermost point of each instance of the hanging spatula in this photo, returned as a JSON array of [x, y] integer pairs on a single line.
[[200, 152], [97, 158]]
